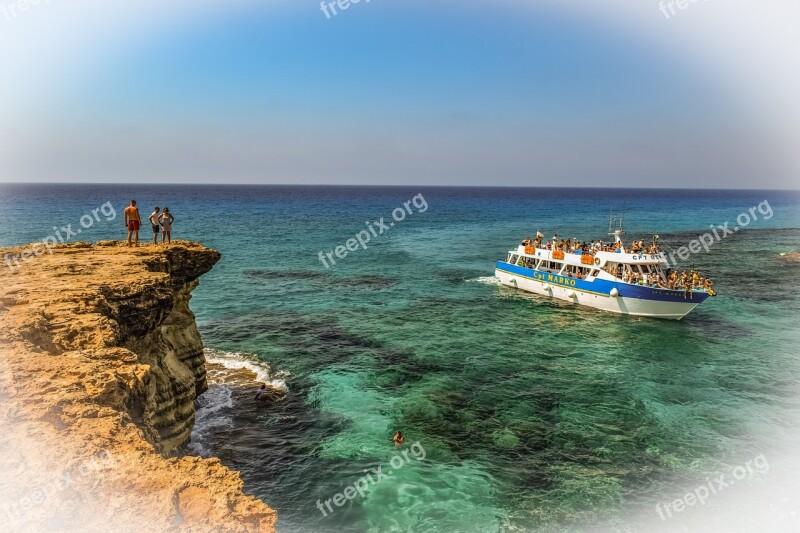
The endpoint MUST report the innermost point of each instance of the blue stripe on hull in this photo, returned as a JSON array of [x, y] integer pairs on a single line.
[[603, 287]]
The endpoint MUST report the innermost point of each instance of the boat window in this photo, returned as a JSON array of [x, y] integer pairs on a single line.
[[513, 259]]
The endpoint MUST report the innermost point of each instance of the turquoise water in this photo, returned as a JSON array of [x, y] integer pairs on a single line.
[[532, 414]]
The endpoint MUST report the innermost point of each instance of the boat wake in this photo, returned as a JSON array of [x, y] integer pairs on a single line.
[[487, 280]]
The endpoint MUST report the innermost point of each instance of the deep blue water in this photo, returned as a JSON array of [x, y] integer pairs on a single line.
[[532, 414]]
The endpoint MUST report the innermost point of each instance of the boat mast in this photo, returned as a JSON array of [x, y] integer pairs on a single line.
[[618, 231]]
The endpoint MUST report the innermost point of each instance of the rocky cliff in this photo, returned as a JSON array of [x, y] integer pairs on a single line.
[[100, 363]]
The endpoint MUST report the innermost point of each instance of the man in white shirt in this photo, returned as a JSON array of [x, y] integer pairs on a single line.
[[154, 223]]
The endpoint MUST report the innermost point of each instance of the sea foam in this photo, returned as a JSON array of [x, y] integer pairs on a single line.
[[246, 361]]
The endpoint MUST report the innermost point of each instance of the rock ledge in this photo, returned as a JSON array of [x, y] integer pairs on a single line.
[[100, 364]]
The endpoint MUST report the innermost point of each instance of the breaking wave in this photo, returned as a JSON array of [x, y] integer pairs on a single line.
[[246, 361]]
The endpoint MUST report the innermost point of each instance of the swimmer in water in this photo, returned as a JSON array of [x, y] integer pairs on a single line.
[[262, 392], [398, 439]]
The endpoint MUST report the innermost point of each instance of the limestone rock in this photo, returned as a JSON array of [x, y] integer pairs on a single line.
[[100, 364]]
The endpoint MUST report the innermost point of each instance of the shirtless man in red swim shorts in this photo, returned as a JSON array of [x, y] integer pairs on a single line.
[[132, 221]]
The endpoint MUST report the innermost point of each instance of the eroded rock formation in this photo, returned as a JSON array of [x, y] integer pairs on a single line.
[[100, 364]]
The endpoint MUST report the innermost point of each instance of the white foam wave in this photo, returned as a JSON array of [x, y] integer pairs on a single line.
[[213, 411], [488, 280], [246, 361], [213, 401]]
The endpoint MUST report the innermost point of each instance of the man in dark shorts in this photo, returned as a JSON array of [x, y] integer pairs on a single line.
[[155, 224], [132, 222]]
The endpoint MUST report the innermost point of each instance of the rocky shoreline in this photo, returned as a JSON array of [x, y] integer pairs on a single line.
[[100, 366]]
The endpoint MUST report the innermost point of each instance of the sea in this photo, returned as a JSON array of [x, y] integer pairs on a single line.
[[376, 310]]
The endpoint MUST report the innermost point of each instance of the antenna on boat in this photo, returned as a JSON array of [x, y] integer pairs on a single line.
[[618, 231]]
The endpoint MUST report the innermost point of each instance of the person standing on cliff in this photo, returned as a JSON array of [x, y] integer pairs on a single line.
[[132, 222], [154, 223], [166, 219]]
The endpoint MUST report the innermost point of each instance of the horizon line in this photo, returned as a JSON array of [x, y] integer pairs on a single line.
[[387, 186]]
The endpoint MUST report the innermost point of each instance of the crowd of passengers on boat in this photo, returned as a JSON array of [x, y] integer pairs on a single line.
[[686, 280], [574, 246]]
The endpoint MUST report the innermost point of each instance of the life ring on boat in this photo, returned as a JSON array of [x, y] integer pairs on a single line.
[[596, 260]]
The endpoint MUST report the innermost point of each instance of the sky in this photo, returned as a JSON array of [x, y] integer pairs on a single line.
[[535, 93]]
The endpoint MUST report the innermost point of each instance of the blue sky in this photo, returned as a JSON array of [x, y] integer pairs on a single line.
[[386, 93]]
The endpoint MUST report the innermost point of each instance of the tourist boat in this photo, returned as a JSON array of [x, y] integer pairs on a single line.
[[554, 273]]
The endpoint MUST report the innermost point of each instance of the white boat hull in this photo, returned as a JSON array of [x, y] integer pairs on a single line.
[[605, 302]]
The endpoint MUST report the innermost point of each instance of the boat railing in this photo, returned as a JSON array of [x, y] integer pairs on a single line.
[[530, 249]]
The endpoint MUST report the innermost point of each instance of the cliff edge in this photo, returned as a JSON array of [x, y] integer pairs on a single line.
[[100, 364]]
